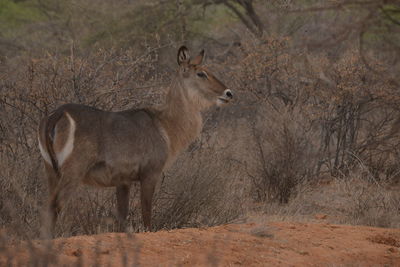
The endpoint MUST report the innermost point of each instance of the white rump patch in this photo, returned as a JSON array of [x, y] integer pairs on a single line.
[[44, 153], [69, 145]]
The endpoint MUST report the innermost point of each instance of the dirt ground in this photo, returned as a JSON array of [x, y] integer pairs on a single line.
[[250, 244]]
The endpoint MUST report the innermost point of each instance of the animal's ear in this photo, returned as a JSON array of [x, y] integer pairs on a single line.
[[198, 59], [183, 55]]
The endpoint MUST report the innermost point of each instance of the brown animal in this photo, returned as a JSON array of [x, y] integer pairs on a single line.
[[84, 144]]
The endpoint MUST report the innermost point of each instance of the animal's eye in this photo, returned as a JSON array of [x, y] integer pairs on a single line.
[[202, 74]]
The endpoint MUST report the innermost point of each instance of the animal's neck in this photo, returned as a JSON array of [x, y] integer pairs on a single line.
[[180, 118]]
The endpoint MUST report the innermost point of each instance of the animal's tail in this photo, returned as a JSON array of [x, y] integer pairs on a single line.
[[46, 136]]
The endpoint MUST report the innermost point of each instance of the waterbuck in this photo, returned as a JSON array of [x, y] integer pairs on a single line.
[[82, 144]]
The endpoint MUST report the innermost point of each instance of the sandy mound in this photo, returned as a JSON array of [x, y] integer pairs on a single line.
[[272, 244]]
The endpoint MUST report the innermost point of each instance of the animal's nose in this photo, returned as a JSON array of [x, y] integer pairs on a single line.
[[228, 93]]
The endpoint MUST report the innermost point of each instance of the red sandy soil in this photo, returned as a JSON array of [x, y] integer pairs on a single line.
[[251, 244]]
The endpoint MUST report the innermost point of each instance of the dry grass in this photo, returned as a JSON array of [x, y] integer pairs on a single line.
[[353, 200]]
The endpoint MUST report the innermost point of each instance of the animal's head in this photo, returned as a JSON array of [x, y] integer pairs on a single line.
[[203, 88]]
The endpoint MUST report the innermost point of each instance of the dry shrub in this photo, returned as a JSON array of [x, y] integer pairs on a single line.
[[281, 136], [317, 114], [286, 156], [200, 193], [351, 109], [352, 106], [370, 202], [354, 200]]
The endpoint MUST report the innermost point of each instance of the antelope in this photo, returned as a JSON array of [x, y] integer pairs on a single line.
[[85, 145]]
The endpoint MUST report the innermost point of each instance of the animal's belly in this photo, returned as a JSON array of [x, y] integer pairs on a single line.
[[106, 175]]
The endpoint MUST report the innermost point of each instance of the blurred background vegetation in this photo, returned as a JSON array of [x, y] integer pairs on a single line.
[[317, 99], [36, 26]]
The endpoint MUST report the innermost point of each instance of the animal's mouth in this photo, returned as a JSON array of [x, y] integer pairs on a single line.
[[224, 100]]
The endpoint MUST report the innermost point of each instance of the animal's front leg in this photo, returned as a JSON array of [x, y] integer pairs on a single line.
[[147, 186], [122, 205]]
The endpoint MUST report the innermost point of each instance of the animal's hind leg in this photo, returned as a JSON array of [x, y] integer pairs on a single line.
[[48, 214], [122, 205], [65, 187]]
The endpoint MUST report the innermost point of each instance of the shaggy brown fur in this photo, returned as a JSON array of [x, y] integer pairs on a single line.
[[88, 145]]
